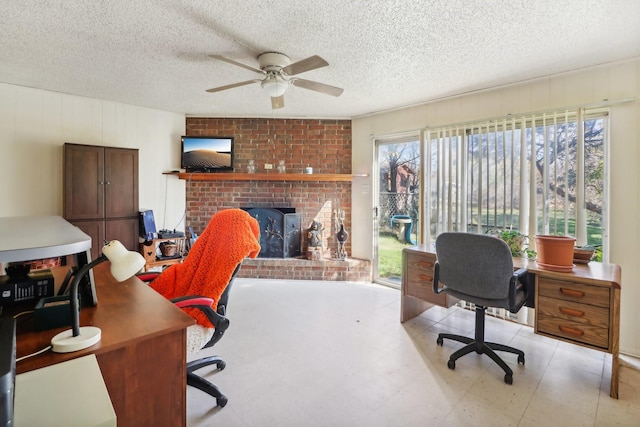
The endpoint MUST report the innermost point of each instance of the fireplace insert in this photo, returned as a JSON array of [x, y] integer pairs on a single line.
[[280, 233]]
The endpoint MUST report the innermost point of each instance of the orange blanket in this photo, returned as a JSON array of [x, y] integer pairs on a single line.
[[230, 236]]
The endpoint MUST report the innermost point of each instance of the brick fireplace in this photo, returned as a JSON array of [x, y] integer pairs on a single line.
[[325, 145]]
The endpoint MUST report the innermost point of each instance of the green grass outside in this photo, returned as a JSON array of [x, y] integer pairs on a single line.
[[390, 256], [594, 231]]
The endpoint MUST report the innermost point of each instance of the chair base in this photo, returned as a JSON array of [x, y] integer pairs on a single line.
[[200, 383], [480, 346]]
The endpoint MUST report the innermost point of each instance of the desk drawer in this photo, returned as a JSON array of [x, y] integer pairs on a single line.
[[418, 279], [583, 323], [571, 291]]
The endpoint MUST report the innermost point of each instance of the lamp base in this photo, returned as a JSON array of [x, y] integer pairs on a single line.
[[65, 342]]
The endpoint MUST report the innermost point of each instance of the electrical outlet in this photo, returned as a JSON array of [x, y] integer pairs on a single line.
[[268, 166]]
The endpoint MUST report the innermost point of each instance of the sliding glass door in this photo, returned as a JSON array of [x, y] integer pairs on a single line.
[[397, 205]]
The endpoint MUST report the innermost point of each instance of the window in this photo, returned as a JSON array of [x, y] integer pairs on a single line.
[[538, 174]]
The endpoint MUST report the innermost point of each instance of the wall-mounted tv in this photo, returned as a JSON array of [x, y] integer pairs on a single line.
[[207, 153]]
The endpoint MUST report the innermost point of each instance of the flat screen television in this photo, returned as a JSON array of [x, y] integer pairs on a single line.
[[207, 153]]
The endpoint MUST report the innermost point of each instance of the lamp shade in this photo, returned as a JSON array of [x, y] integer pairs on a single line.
[[124, 263], [275, 86]]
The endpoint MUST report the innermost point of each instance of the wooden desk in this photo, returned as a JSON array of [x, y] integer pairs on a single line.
[[581, 307], [142, 354]]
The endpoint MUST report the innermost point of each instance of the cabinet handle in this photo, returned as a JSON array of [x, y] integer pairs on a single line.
[[425, 264], [572, 292], [571, 331], [101, 182], [571, 312], [425, 278], [108, 182]]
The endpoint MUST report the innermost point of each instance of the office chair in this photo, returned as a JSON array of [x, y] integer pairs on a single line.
[[203, 281], [199, 338], [479, 269]]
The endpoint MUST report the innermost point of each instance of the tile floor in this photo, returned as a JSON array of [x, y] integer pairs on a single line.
[[312, 353]]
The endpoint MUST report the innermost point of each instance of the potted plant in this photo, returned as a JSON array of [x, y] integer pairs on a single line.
[[516, 241], [555, 252]]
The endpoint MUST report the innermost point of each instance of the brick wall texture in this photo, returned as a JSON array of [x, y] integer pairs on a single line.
[[325, 145]]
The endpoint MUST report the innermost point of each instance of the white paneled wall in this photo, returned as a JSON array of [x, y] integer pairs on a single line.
[[34, 124], [613, 81]]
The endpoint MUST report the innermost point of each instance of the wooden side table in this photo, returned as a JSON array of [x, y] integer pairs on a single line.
[[154, 257]]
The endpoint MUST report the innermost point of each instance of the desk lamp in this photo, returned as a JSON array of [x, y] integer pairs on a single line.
[[124, 264]]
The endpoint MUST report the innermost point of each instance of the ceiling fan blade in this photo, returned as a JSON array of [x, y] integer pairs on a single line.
[[239, 64], [277, 102], [311, 63], [231, 86], [318, 87]]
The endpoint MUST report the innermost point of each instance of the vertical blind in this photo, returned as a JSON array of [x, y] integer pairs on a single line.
[[525, 173], [536, 174]]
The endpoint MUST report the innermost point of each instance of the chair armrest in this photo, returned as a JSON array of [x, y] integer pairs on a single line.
[[517, 283], [147, 276], [436, 279], [204, 304], [192, 300]]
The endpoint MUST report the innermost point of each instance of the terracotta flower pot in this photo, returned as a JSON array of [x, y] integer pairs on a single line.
[[555, 252]]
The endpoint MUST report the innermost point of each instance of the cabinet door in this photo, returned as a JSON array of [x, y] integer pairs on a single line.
[[125, 230], [121, 183], [95, 230], [83, 182]]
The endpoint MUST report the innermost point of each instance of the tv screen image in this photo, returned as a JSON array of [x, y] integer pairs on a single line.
[[207, 153]]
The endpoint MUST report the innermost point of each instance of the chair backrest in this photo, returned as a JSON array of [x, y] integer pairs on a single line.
[[474, 264], [224, 298], [230, 236], [221, 309]]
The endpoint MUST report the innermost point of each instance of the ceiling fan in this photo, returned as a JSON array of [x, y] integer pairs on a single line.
[[278, 73]]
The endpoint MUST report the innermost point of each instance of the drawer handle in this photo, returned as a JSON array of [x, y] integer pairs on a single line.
[[572, 292], [425, 278], [571, 312], [425, 264], [571, 331]]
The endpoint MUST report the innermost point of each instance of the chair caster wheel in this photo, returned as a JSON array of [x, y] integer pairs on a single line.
[[508, 379], [439, 341], [221, 365], [451, 364], [222, 401], [521, 359]]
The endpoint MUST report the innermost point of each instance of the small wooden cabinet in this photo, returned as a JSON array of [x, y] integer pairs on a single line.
[[101, 193], [151, 251]]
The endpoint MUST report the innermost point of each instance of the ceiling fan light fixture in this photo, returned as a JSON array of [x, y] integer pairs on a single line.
[[274, 86], [278, 73]]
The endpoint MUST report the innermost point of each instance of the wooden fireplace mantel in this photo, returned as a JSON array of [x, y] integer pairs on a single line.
[[274, 176]]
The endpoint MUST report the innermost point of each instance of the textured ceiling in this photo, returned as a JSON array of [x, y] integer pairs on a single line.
[[385, 54]]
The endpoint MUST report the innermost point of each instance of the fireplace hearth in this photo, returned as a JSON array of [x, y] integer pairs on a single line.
[[280, 234]]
